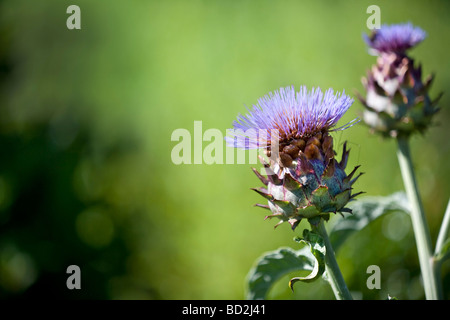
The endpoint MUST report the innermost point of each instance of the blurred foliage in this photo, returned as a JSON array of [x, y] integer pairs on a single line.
[[86, 118]]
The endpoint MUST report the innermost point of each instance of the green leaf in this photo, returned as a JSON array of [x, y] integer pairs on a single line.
[[273, 265], [317, 247], [445, 251], [366, 210]]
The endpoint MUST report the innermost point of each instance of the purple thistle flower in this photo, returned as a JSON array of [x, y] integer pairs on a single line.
[[304, 180], [292, 114], [395, 38], [397, 102]]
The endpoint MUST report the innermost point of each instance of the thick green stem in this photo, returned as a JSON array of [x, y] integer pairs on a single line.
[[430, 274], [331, 266]]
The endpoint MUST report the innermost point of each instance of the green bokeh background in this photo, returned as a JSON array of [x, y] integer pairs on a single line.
[[86, 118]]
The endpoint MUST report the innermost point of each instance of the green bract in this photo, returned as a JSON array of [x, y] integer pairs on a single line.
[[312, 184]]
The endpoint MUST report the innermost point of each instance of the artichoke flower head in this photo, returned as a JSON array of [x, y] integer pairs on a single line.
[[302, 177], [396, 102]]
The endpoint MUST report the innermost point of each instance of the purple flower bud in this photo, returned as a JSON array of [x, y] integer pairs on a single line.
[[397, 103]]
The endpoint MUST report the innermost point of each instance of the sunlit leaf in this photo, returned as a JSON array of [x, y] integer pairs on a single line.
[[273, 265], [317, 247], [366, 210]]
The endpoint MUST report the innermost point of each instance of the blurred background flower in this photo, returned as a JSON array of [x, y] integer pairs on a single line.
[[395, 38], [397, 102], [86, 118]]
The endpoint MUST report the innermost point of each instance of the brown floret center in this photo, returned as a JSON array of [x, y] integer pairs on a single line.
[[316, 146]]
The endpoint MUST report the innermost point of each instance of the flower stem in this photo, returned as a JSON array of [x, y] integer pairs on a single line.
[[445, 228], [430, 275], [331, 266]]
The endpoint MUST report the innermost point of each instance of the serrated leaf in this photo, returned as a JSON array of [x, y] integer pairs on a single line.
[[272, 266], [366, 210], [317, 247]]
